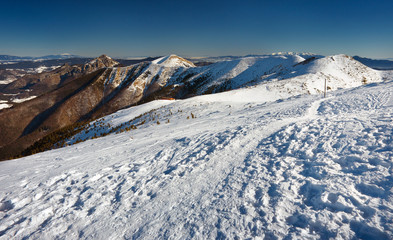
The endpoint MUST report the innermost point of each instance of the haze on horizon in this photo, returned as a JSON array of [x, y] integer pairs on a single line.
[[198, 28]]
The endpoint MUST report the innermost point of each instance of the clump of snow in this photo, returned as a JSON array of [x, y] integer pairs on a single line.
[[5, 105], [45, 68], [8, 80], [40, 69], [20, 100]]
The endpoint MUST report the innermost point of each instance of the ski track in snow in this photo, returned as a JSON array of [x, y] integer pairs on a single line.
[[305, 167]]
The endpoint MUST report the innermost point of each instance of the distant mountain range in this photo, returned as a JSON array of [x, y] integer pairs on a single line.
[[47, 57], [376, 64], [18, 62], [379, 64], [200, 60]]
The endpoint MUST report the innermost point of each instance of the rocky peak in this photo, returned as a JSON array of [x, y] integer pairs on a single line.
[[102, 61], [104, 57]]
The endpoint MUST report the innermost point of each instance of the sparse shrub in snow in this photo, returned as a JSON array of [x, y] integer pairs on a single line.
[[364, 80]]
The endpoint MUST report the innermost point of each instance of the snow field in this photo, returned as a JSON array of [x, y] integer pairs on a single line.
[[304, 167]]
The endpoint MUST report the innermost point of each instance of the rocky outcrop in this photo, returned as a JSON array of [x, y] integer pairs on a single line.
[[102, 61]]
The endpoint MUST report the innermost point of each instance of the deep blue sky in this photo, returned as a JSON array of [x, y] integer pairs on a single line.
[[196, 28]]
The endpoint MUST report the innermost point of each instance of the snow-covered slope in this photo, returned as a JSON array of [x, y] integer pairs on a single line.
[[305, 76], [173, 61], [235, 73], [216, 166]]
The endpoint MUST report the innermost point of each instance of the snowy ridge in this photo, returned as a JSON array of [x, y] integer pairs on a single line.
[[229, 58], [20, 100], [342, 71], [303, 167], [173, 61], [284, 75], [236, 73]]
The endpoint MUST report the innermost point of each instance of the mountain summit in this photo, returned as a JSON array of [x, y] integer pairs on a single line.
[[173, 61], [102, 61]]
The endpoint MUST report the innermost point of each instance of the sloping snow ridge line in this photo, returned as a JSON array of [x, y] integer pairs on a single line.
[[300, 168]]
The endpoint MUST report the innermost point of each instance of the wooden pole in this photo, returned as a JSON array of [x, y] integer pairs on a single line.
[[324, 90]]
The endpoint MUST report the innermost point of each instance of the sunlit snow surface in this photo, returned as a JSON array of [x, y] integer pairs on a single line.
[[20, 100], [304, 167], [4, 105]]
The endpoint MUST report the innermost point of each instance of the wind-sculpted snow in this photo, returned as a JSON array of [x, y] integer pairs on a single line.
[[225, 168]]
